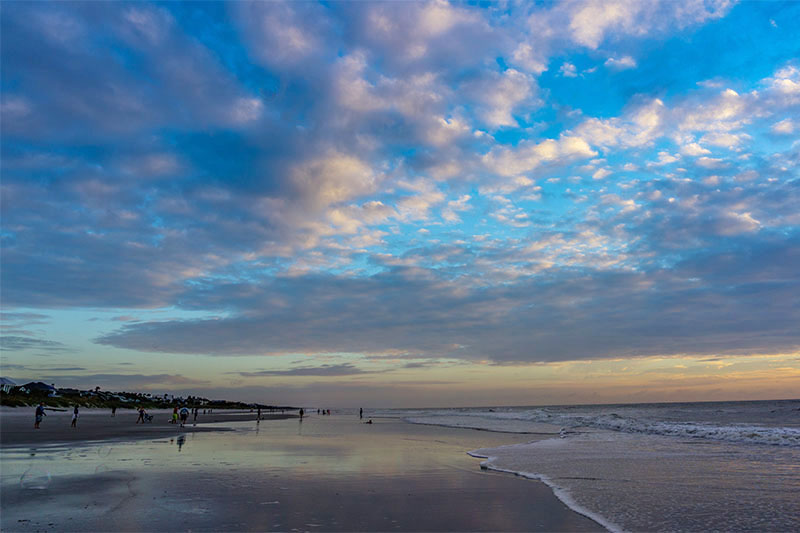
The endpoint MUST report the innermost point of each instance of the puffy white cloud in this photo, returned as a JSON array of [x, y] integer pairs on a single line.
[[501, 94], [785, 85], [625, 62], [568, 70], [425, 195], [450, 214], [784, 127], [592, 22], [694, 149], [529, 155], [333, 178], [638, 127], [601, 173], [283, 34]]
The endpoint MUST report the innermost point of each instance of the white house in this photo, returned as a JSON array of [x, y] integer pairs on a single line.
[[7, 384]]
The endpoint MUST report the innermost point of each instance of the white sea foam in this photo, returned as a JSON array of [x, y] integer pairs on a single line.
[[562, 493], [699, 421], [647, 482], [725, 466]]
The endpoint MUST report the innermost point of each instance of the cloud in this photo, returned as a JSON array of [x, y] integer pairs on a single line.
[[625, 62], [529, 155], [703, 305], [19, 343], [783, 127], [592, 23], [390, 178], [345, 369], [118, 382], [568, 70]]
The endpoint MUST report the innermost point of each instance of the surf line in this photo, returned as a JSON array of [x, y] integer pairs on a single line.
[[560, 492]]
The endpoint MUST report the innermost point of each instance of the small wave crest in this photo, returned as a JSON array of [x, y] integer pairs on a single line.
[[543, 420]]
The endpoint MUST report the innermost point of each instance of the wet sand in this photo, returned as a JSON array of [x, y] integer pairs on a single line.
[[16, 425], [322, 474]]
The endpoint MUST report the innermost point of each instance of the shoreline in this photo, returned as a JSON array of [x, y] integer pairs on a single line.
[[97, 425], [326, 473]]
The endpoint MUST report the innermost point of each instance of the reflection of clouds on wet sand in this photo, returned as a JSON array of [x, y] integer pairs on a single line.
[[338, 475]]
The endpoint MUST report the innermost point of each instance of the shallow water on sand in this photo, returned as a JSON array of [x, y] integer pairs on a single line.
[[722, 466], [325, 474]]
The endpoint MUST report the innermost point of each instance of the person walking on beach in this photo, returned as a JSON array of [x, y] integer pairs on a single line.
[[196, 410], [184, 415], [141, 415], [361, 412], [39, 414], [302, 413], [174, 415], [114, 411], [75, 417], [259, 413]]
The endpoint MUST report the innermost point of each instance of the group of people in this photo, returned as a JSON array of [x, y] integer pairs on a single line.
[[182, 414], [178, 415], [40, 414]]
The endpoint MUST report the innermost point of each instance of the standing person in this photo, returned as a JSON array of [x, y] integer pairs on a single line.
[[259, 413], [39, 414], [196, 410], [141, 415], [114, 411], [175, 415], [361, 412], [302, 413], [184, 415], [75, 417]]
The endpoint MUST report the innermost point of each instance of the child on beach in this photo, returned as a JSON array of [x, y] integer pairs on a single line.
[[75, 417], [174, 415], [141, 415], [39, 414]]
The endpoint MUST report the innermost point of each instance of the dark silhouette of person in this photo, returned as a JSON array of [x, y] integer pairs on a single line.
[[39, 415]]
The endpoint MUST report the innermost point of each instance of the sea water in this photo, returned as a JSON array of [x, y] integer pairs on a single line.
[[721, 466]]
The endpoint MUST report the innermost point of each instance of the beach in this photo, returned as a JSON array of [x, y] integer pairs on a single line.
[[326, 473], [16, 424]]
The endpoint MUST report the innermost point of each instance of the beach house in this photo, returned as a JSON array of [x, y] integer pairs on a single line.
[[7, 384]]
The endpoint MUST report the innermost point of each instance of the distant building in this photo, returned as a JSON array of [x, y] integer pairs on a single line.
[[38, 387], [7, 384]]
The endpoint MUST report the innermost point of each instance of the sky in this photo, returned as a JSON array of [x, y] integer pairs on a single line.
[[403, 203]]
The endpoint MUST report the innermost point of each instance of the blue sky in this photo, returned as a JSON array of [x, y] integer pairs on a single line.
[[329, 201]]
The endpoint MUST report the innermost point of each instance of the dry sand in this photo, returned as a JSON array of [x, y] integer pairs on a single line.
[[16, 425]]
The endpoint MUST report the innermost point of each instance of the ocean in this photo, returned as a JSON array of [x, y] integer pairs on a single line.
[[701, 466]]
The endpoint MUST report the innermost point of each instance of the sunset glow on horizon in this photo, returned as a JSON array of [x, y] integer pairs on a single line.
[[403, 203]]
